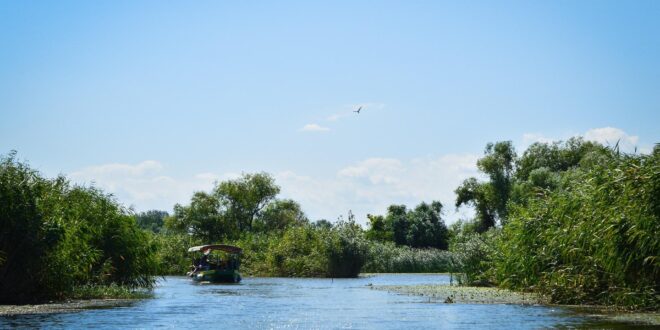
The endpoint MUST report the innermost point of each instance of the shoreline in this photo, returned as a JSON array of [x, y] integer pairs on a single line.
[[489, 295], [65, 307]]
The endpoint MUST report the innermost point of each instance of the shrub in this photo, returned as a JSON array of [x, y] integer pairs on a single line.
[[386, 257], [300, 252], [593, 240], [346, 249], [55, 237]]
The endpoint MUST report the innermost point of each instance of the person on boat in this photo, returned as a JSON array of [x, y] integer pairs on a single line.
[[204, 261]]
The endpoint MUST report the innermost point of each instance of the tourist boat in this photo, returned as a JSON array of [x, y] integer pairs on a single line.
[[216, 263]]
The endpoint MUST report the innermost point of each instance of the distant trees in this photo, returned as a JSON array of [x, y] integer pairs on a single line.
[[246, 204], [243, 199], [280, 214], [421, 227], [512, 178], [152, 220]]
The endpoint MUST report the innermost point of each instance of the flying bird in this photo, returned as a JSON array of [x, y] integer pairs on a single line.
[[358, 110]]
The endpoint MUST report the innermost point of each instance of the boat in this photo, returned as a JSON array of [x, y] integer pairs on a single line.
[[215, 263]]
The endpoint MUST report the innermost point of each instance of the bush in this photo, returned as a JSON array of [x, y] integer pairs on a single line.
[[172, 254], [386, 257], [346, 249], [55, 237], [300, 253], [594, 240], [474, 255]]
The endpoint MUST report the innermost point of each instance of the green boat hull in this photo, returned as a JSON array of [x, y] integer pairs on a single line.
[[218, 276]]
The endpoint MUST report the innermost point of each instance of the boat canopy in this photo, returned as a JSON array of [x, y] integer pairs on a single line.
[[221, 247]]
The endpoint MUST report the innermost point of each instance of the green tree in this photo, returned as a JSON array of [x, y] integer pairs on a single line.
[[421, 227], [378, 229], [322, 224], [244, 198], [152, 220], [490, 198], [346, 249], [426, 227], [233, 208], [279, 215], [397, 220], [556, 157], [479, 195], [203, 219]]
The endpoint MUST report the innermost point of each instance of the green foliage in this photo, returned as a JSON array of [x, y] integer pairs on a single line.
[[555, 157], [346, 249], [172, 252], [203, 219], [244, 198], [421, 228], [378, 230], [152, 220], [479, 195], [55, 237], [426, 228], [234, 208], [474, 255], [592, 240], [490, 198], [256, 249], [25, 236], [387, 257], [322, 224], [279, 215], [299, 252]]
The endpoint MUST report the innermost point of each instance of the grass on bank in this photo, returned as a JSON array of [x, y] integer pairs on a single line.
[[112, 291]]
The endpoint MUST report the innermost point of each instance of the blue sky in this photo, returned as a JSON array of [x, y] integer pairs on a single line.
[[152, 100]]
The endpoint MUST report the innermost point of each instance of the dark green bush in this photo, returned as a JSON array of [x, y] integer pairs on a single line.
[[346, 249]]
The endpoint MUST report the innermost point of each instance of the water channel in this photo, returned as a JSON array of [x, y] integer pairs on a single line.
[[296, 303]]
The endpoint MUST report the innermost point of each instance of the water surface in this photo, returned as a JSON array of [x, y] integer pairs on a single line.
[[295, 303]]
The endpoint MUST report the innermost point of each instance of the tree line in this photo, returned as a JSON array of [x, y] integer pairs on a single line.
[[574, 220]]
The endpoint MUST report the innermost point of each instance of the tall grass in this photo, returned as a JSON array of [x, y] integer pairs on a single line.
[[593, 240], [56, 236], [386, 257]]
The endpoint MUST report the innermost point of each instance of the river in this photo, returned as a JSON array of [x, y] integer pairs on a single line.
[[303, 303]]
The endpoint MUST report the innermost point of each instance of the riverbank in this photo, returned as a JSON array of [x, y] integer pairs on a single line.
[[483, 295], [65, 307], [466, 294]]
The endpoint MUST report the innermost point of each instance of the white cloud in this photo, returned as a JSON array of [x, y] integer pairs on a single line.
[[367, 186], [143, 185], [529, 138], [314, 128], [610, 136], [371, 185]]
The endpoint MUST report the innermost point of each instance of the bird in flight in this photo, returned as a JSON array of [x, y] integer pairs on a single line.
[[358, 110]]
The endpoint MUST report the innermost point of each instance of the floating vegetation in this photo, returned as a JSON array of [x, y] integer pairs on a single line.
[[465, 294]]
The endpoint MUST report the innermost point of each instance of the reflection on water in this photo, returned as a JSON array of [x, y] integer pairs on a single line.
[[302, 303]]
